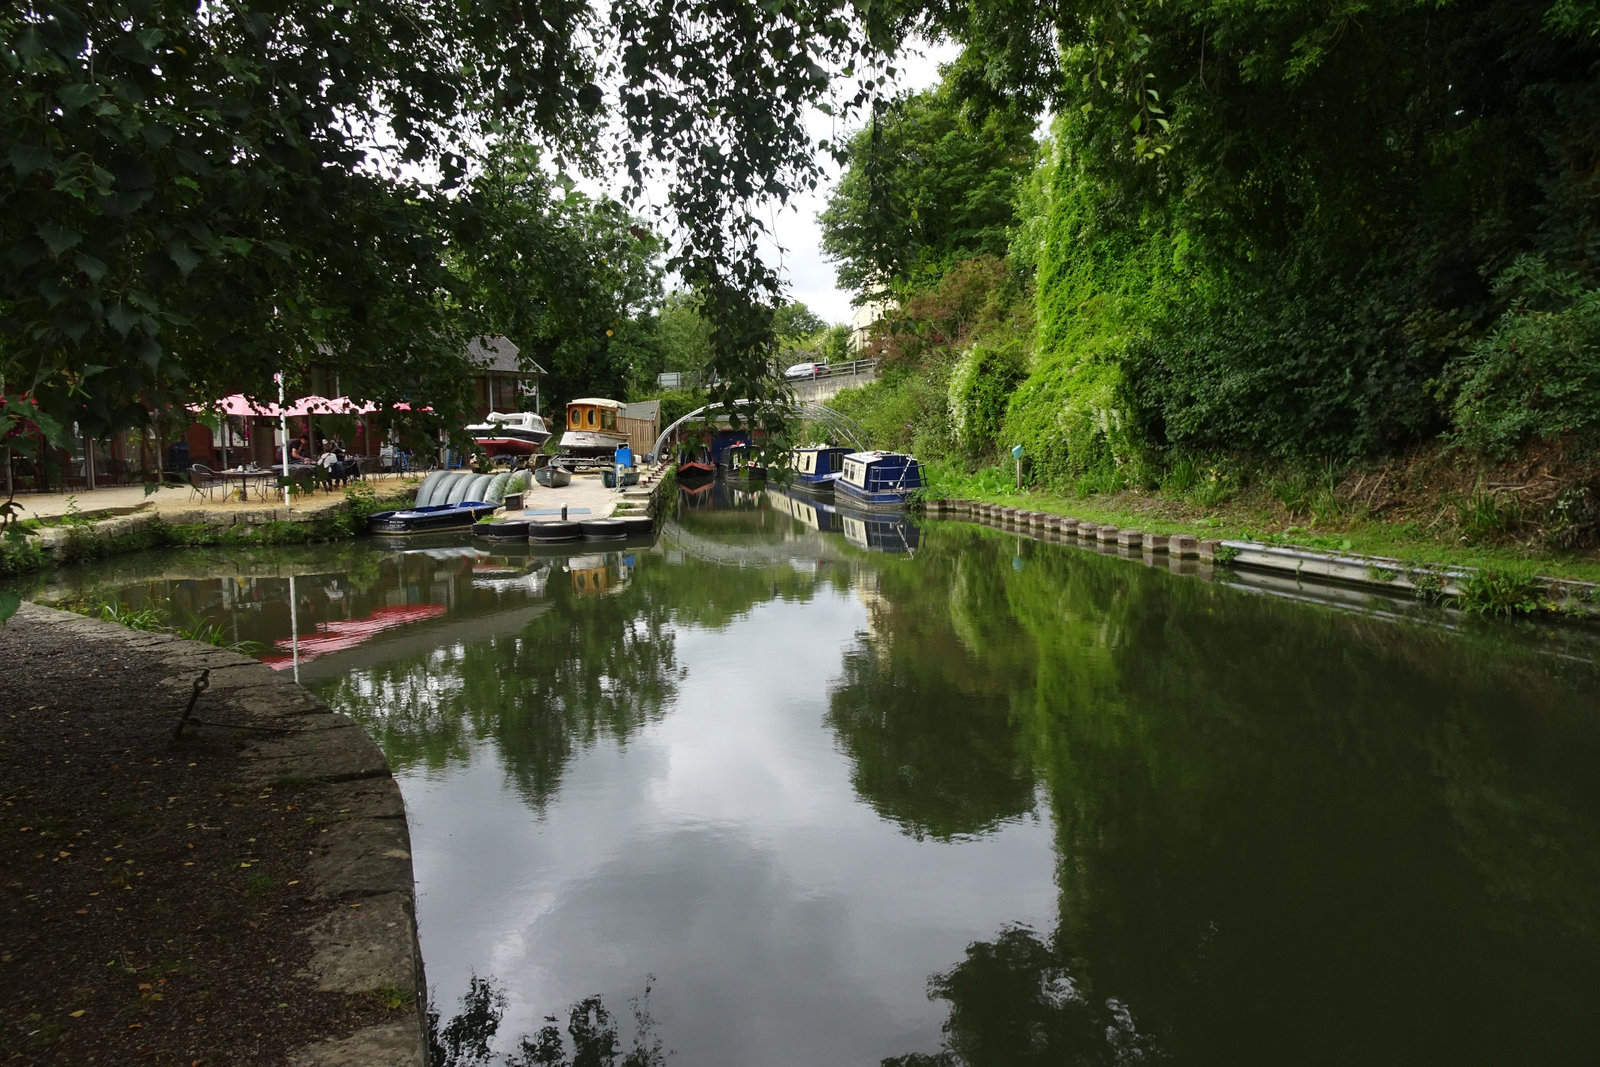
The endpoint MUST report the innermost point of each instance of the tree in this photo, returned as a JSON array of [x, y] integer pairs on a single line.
[[201, 195], [932, 178], [795, 321], [570, 279]]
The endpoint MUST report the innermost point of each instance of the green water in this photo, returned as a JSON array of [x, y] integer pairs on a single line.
[[763, 794]]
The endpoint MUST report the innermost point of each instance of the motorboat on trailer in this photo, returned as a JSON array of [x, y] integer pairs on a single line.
[[878, 481], [502, 433], [814, 468]]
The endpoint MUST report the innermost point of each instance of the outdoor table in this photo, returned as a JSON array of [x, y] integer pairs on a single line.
[[245, 480]]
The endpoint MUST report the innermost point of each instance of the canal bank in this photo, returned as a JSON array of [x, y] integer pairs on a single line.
[[208, 864], [1483, 590]]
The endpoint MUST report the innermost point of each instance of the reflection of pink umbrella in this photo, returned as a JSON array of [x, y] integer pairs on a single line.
[[341, 634]]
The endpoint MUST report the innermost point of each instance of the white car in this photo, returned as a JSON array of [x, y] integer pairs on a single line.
[[806, 370]]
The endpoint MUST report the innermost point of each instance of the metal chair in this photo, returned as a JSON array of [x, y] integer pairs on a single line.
[[203, 482]]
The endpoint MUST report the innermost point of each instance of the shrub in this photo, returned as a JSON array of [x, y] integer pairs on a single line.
[[1537, 373], [980, 388]]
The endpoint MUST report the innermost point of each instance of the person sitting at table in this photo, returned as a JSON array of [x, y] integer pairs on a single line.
[[297, 451], [332, 464]]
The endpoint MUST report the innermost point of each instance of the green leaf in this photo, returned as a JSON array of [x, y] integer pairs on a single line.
[[57, 238], [27, 159], [184, 256]]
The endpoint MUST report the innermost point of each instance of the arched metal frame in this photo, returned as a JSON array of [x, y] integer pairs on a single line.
[[838, 424]]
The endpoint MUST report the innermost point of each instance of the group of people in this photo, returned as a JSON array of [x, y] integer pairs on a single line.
[[334, 465]]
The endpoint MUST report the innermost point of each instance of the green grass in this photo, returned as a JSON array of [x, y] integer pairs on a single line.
[[1439, 544]]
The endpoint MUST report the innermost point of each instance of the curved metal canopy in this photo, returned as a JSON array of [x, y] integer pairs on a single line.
[[838, 424]]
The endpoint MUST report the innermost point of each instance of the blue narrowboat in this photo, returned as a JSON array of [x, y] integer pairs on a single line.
[[814, 468], [878, 481]]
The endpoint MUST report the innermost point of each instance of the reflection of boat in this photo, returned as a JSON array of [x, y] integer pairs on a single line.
[[430, 518], [341, 634], [696, 494], [594, 575], [508, 579], [553, 477], [814, 468], [592, 434], [879, 532], [516, 432], [806, 510], [882, 481]]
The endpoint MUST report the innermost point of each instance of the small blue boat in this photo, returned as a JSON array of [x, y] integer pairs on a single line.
[[878, 481], [431, 517], [814, 468]]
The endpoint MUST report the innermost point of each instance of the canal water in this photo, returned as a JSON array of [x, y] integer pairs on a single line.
[[782, 786]]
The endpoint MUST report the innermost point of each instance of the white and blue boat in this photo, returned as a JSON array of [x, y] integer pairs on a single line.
[[445, 500], [878, 481], [814, 468]]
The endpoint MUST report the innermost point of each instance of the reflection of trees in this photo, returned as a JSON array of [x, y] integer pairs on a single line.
[[1283, 834], [592, 1035], [602, 668], [925, 718], [1017, 1001]]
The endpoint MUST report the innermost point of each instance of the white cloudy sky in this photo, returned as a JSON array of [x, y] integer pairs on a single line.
[[798, 250], [810, 276]]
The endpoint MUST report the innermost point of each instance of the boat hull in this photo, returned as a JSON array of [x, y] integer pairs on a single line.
[[553, 477], [502, 444], [430, 518], [892, 500], [592, 442]]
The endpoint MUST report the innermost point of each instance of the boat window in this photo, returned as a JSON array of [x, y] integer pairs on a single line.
[[808, 463], [608, 419]]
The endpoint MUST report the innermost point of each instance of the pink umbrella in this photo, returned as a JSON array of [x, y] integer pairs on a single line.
[[324, 405], [239, 404]]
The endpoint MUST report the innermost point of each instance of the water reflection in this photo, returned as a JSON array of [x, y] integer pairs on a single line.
[[592, 1039], [954, 797]]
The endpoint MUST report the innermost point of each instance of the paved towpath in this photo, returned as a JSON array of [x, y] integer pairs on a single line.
[[586, 498]]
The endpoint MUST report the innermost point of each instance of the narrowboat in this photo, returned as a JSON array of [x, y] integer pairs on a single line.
[[878, 481], [814, 468], [516, 433], [740, 467], [695, 463]]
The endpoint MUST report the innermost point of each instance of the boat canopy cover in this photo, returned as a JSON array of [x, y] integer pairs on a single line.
[[496, 492], [435, 487]]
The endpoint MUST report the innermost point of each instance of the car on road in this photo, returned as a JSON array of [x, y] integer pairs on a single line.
[[807, 370]]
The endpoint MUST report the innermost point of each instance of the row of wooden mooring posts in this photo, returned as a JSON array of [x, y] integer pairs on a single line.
[[1178, 546]]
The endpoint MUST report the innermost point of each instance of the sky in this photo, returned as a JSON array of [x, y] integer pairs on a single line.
[[810, 276]]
